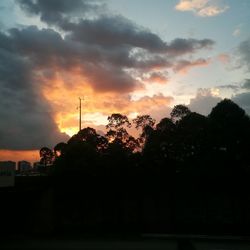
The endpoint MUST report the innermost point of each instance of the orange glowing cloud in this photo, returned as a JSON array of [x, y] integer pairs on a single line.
[[19, 155], [63, 90]]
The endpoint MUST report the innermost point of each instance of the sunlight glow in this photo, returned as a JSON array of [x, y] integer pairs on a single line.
[[97, 106], [70, 131], [19, 155]]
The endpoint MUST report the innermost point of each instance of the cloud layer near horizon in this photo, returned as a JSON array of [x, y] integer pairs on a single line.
[[84, 51]]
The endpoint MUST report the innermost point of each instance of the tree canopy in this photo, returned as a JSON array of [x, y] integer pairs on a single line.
[[185, 138]]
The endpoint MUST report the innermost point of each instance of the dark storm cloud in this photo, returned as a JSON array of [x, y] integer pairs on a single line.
[[102, 68], [122, 43], [244, 53], [106, 39], [46, 48], [53, 6], [54, 11], [25, 121], [111, 31], [182, 46], [13, 71], [107, 78], [107, 30], [105, 50]]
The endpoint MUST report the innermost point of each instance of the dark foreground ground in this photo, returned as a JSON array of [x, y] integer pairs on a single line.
[[41, 213], [151, 242]]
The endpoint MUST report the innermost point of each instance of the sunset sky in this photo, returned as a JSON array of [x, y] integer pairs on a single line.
[[123, 56]]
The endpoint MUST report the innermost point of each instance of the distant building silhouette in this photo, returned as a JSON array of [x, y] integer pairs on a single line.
[[7, 173], [39, 168], [23, 166], [8, 164]]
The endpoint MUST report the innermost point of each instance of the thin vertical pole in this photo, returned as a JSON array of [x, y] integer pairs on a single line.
[[80, 114]]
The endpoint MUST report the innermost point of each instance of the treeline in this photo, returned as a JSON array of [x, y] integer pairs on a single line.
[[185, 139], [188, 173]]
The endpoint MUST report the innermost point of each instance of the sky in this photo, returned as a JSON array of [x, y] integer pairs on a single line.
[[121, 56]]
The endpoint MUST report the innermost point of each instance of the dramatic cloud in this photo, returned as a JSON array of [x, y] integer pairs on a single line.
[[103, 65], [97, 107], [204, 8], [182, 46], [113, 31], [26, 121], [109, 31], [53, 11], [48, 50], [103, 57], [204, 101]]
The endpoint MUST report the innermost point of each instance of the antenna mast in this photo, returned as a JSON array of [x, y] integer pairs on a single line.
[[80, 113]]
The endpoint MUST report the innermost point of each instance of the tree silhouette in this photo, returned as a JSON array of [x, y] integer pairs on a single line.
[[90, 136], [117, 134], [116, 121], [227, 111], [165, 125], [166, 134], [187, 163], [60, 149], [47, 156], [191, 136], [142, 121], [230, 132], [178, 112], [146, 124]]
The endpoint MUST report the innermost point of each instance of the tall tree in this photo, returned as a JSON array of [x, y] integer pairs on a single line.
[[60, 149], [91, 137], [141, 121], [47, 156], [179, 111], [230, 131], [117, 133], [116, 121]]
